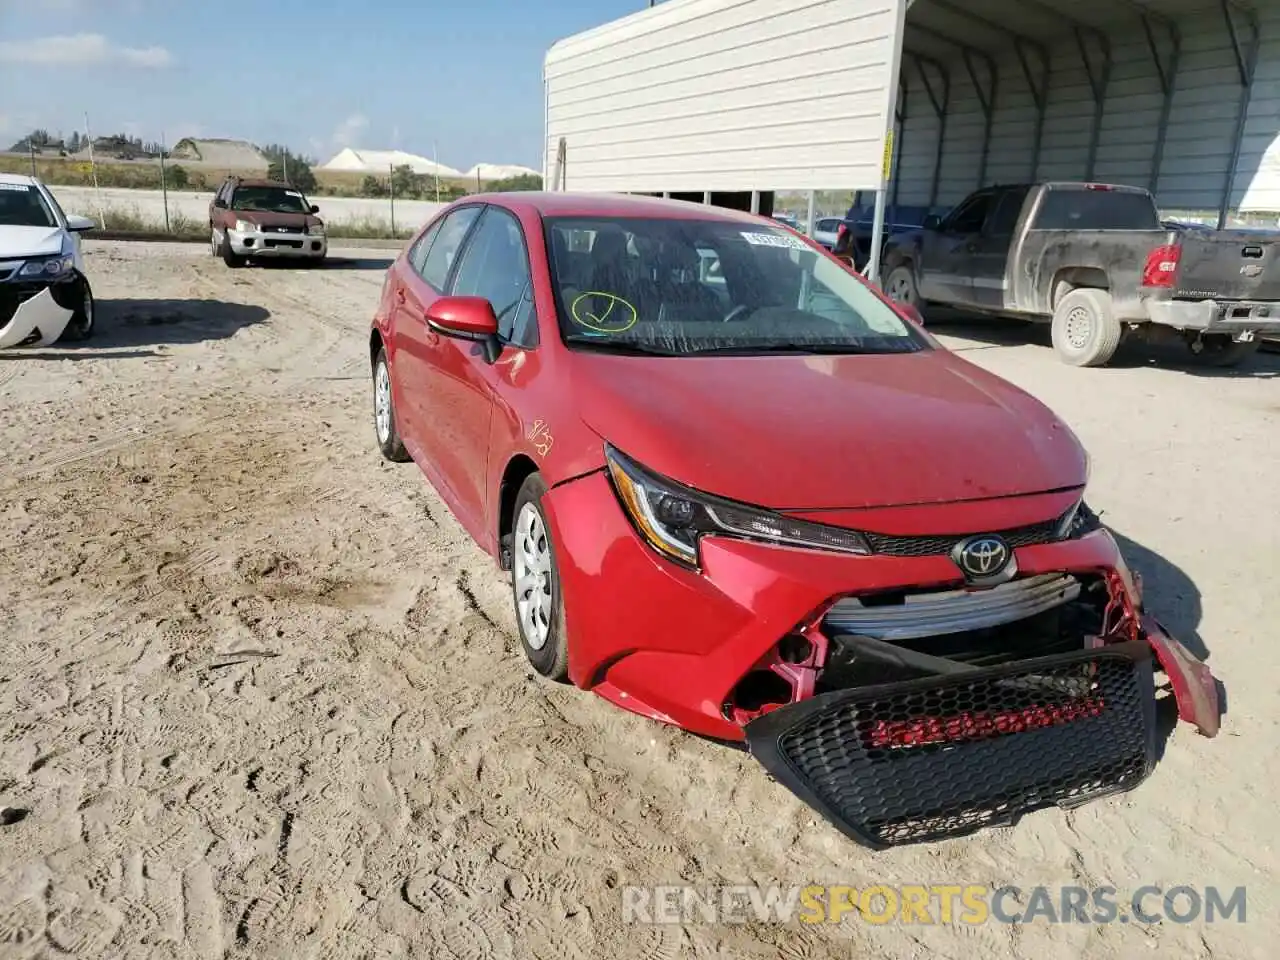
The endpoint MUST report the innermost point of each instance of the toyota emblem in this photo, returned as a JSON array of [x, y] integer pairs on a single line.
[[982, 558]]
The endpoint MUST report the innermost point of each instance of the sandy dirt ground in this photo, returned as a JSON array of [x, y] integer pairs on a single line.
[[260, 697]]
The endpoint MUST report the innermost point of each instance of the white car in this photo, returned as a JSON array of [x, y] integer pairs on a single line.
[[826, 230], [44, 293]]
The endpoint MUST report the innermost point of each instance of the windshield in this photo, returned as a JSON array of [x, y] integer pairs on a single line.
[[269, 200], [22, 205], [694, 287]]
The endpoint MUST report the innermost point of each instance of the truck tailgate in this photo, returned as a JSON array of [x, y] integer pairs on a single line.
[[1229, 265]]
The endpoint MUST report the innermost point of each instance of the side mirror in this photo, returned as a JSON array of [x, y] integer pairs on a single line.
[[912, 313], [220, 203], [466, 318], [78, 224], [314, 208], [932, 221]]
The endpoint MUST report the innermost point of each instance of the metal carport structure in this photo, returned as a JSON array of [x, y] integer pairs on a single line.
[[1180, 96]]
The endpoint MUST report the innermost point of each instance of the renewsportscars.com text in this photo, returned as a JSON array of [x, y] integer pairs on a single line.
[[971, 904]]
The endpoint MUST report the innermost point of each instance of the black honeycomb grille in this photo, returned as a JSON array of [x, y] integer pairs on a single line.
[[925, 760], [939, 545]]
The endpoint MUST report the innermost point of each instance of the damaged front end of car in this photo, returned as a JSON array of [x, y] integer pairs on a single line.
[[919, 715], [38, 298]]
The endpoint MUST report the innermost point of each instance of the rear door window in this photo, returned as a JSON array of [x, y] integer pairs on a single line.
[[1007, 209]]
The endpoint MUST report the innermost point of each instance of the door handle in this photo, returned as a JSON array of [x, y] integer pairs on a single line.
[[400, 294]]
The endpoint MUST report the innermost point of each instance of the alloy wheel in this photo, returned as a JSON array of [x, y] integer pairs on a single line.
[[531, 567], [382, 403]]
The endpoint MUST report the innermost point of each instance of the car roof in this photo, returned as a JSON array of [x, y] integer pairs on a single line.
[[256, 182], [19, 178], [557, 204]]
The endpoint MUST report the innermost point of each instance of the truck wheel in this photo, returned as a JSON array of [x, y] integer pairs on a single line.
[[900, 286], [1220, 350], [1085, 331]]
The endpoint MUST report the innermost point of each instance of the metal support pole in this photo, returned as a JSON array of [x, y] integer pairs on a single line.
[[706, 197], [1098, 86], [1168, 76], [1039, 95], [940, 105], [164, 187], [901, 127], [1247, 63], [391, 185], [755, 201], [812, 218], [987, 101], [872, 270]]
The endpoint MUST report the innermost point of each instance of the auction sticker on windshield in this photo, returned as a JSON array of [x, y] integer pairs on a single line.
[[16, 187], [774, 240]]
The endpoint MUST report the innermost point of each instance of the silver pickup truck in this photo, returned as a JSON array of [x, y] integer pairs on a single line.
[[1095, 261]]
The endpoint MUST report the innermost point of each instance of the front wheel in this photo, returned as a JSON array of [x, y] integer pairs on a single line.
[[900, 287], [229, 257], [80, 327], [535, 582], [384, 412], [1221, 350], [1085, 330]]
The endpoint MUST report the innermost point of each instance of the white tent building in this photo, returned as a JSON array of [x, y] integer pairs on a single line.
[[382, 161]]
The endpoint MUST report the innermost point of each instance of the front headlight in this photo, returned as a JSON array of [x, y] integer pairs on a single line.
[[246, 226], [1077, 521], [673, 517], [48, 268], [316, 229]]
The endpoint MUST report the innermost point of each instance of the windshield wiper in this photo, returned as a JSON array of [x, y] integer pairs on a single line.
[[759, 349], [625, 346]]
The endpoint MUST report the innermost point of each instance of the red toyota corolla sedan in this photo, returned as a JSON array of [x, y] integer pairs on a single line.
[[739, 491]]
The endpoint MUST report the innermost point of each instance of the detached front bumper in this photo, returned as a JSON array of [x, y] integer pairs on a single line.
[[935, 758], [1217, 316], [264, 243], [30, 316]]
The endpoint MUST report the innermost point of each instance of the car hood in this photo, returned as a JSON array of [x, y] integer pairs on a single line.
[[266, 219], [18, 242], [828, 432]]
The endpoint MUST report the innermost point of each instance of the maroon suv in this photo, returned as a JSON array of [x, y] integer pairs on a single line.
[[264, 218]]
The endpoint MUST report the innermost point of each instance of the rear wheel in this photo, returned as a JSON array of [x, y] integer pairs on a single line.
[[535, 583], [1085, 330], [1220, 350], [384, 412]]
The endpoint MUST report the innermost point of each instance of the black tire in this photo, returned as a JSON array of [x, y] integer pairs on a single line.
[[551, 659], [900, 287], [81, 326], [228, 257], [1220, 350], [1086, 332], [386, 432]]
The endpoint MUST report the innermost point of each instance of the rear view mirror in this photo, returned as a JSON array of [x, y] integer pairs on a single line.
[[314, 208], [219, 202], [932, 221], [78, 224]]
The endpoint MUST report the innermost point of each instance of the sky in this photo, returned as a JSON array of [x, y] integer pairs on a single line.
[[317, 75]]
